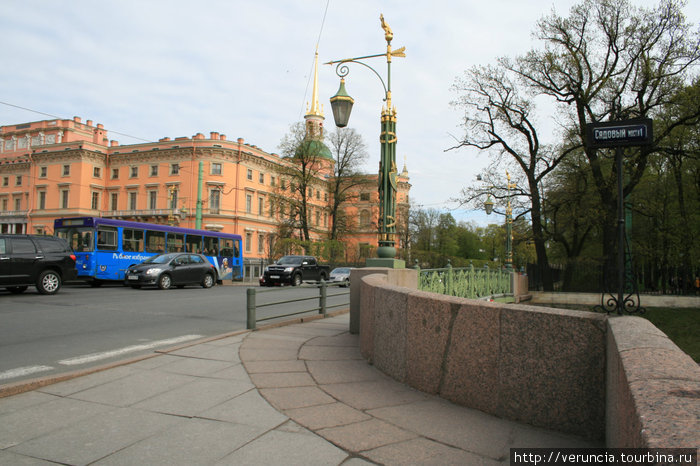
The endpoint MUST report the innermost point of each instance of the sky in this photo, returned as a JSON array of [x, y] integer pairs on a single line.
[[148, 69]]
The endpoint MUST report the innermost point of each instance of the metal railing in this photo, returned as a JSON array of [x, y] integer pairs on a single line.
[[322, 308], [466, 282]]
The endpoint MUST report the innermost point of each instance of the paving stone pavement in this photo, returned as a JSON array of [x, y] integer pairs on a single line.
[[297, 394]]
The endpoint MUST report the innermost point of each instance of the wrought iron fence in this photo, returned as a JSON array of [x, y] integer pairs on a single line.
[[466, 282]]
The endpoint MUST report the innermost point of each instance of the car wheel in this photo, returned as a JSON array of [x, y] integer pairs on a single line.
[[136, 287], [96, 283], [164, 281], [208, 281], [49, 282], [296, 279], [346, 283], [17, 289]]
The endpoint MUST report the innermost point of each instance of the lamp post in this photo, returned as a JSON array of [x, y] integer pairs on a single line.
[[488, 207], [342, 103]]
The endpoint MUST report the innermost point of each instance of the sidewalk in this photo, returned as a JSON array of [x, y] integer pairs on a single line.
[[298, 394]]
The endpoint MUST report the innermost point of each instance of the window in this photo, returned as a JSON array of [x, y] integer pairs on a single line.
[[214, 200], [272, 180], [155, 241], [96, 172], [325, 219], [318, 195], [4, 205], [248, 240], [261, 243], [18, 180], [283, 185], [64, 198], [311, 192], [215, 168], [95, 203], [248, 203], [364, 196], [176, 242], [154, 170], [249, 174], [173, 198], [210, 246], [152, 199], [43, 172], [5, 180], [115, 173], [134, 172], [193, 243], [18, 203], [132, 240], [318, 218], [261, 205], [261, 178], [41, 203], [107, 238], [132, 201], [325, 197], [66, 170], [114, 201], [174, 168]]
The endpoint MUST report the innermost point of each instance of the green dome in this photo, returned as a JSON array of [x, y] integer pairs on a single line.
[[314, 147]]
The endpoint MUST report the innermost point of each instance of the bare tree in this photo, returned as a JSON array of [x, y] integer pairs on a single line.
[[302, 167], [350, 153], [610, 61], [500, 119]]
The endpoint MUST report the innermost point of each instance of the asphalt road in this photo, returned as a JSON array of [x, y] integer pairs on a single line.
[[81, 327]]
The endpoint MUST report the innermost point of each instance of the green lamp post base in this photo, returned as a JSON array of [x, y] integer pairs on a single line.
[[390, 263]]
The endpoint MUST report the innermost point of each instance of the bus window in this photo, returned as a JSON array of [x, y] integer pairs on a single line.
[[107, 238], [236, 248], [211, 246], [155, 241], [176, 242], [132, 240], [194, 243]]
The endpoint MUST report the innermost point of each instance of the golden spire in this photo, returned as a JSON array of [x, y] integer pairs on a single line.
[[316, 109]]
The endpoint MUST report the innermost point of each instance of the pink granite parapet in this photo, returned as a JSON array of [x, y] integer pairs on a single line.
[[652, 388], [545, 367]]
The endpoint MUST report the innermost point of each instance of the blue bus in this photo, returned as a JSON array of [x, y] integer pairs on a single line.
[[106, 247]]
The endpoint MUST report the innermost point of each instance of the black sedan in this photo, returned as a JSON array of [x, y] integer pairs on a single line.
[[178, 269]]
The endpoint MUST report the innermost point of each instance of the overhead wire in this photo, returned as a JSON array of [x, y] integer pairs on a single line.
[[311, 72], [62, 118]]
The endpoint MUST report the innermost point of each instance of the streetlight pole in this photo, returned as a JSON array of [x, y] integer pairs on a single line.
[[488, 207], [341, 103]]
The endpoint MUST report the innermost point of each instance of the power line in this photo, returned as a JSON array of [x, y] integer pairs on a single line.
[[61, 118]]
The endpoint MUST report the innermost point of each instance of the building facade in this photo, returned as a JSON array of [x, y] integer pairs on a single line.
[[66, 168]]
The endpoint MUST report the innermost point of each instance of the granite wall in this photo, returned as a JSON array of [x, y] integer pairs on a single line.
[[653, 388], [542, 366]]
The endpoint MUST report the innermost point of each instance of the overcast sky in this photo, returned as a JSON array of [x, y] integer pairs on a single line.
[[151, 69]]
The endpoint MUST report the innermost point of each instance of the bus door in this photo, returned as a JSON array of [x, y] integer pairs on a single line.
[[107, 254]]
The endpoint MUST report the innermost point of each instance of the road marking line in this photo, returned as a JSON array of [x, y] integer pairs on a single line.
[[128, 349], [23, 371]]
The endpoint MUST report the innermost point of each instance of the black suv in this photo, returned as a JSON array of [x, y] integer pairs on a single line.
[[41, 261]]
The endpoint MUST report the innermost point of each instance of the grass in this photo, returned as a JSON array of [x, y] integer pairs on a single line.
[[681, 325]]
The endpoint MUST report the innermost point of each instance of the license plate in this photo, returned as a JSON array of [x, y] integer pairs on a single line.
[[274, 276], [133, 277]]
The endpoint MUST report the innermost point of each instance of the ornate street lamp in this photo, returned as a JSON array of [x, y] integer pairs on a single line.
[[488, 207], [341, 103]]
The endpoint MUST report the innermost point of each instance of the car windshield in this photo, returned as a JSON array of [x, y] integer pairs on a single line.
[[289, 260], [340, 270], [159, 259]]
